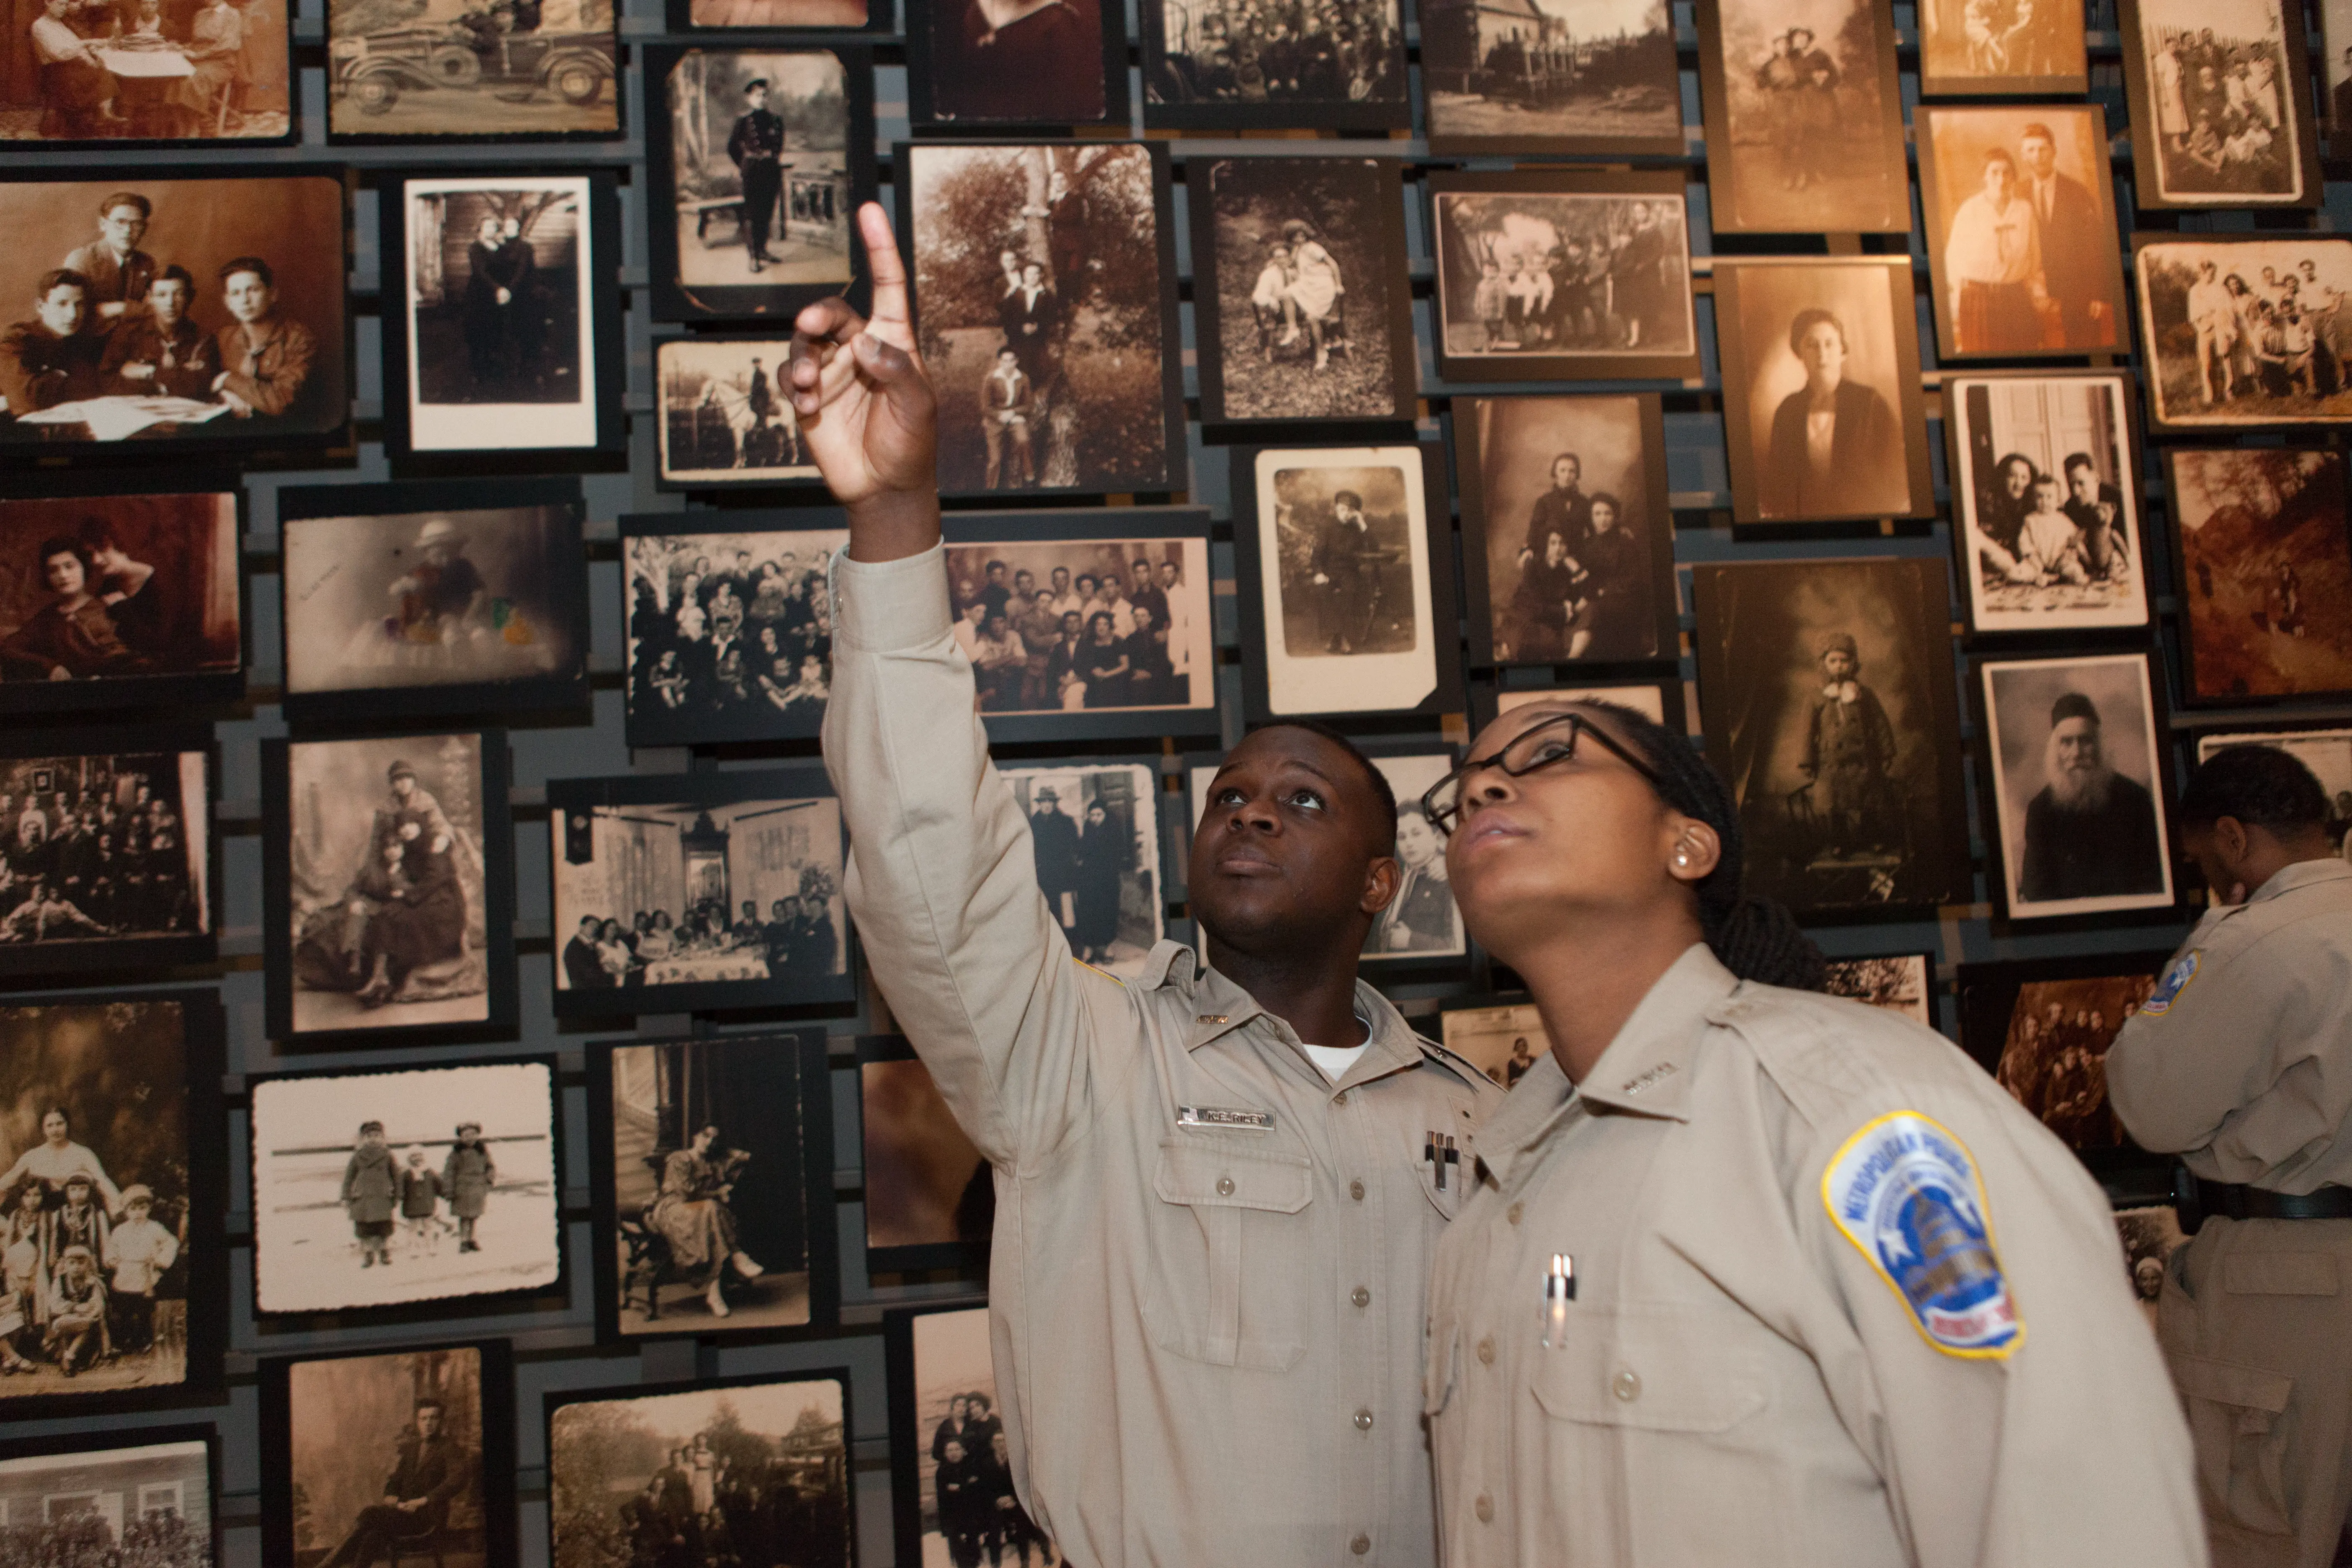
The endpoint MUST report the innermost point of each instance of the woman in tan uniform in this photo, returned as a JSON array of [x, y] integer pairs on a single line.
[[1748, 1274]]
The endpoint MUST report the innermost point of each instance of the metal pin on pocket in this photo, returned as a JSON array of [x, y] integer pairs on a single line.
[[1559, 1289]]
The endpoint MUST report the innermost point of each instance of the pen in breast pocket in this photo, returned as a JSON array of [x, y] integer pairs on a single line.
[[1559, 1289]]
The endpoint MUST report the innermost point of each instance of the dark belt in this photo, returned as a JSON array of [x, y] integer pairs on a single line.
[[2236, 1202]]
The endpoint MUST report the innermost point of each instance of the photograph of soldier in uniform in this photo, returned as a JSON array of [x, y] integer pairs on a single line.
[[2246, 333], [191, 72], [1233, 65], [956, 1502], [1898, 983], [2266, 573], [2327, 752], [143, 1497], [1096, 831], [926, 1186], [2219, 99], [106, 859], [1086, 625], [2150, 1235], [514, 71], [2002, 48], [1041, 314], [2079, 808], [730, 636], [2044, 1030], [1573, 76], [1503, 1042], [742, 1472], [973, 64], [725, 421], [1804, 124], [1826, 700]]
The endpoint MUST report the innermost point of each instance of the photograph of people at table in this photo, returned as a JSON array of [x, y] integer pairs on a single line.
[[147, 71]]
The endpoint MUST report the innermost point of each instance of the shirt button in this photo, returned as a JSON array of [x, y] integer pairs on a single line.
[[1360, 1545], [1363, 1420], [1486, 1506], [1486, 1350], [1362, 1298], [1224, 1186], [1626, 1385], [1356, 1191], [1512, 1213]]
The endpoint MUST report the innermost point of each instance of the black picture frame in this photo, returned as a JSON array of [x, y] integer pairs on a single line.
[[811, 1103], [503, 446], [1453, 65], [1459, 1041], [2206, 678], [673, 301], [577, 68], [1940, 16], [830, 996], [969, 1255], [501, 1007], [881, 17], [926, 64], [1171, 100], [496, 1456], [687, 359], [219, 145], [904, 1369], [2167, 335], [1492, 698], [96, 1443], [2293, 88], [564, 688]]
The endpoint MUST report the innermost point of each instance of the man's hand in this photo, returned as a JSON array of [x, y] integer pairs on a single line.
[[867, 408]]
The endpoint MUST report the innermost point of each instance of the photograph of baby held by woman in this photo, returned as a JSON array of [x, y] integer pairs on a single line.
[[1082, 626]]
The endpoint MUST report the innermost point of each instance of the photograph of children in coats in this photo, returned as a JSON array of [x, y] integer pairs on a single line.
[[165, 307], [1303, 241], [746, 1477], [385, 1452], [149, 1506], [2053, 1056], [2022, 230], [94, 1198], [1086, 624], [1037, 293], [758, 157], [342, 1166], [495, 298], [926, 1186], [1898, 983], [104, 849], [1563, 274], [724, 419], [2327, 752], [647, 896], [2082, 830], [970, 1511], [193, 70], [1095, 832], [734, 630], [2266, 571], [1264, 54], [1026, 62], [117, 587], [1343, 541], [496, 68], [2228, 116], [1986, 40], [1501, 1042], [1804, 150], [2252, 332], [387, 882], [1604, 69], [1818, 343], [2049, 504], [441, 598], [707, 1193], [2150, 1236]]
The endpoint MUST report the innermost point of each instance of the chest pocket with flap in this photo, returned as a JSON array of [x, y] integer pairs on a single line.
[[1230, 1261]]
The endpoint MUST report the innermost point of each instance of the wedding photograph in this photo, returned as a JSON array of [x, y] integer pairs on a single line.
[[507, 71], [2266, 579], [2243, 332], [1094, 829], [144, 1496], [2327, 753], [2043, 1027], [1502, 1041], [2002, 48], [2220, 111], [930, 1199], [1804, 119], [725, 420], [1582, 78], [1233, 65], [953, 1498], [975, 66], [197, 74], [1902, 983]]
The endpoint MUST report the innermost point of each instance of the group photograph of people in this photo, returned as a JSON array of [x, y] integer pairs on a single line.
[[728, 631], [1085, 626], [2225, 105], [2249, 335], [146, 70], [1253, 52], [1565, 275], [104, 849]]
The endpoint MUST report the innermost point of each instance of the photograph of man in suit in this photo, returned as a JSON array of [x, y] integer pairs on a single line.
[[2090, 832], [117, 270], [757, 147], [428, 1474], [2077, 238]]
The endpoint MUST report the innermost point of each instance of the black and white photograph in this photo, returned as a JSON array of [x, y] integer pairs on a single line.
[[1574, 77], [726, 420], [2265, 579], [387, 865], [1824, 420], [197, 312], [2020, 231], [502, 341], [1901, 984], [2241, 333], [1805, 120], [2002, 48], [930, 1199], [725, 16], [2045, 475], [383, 1454], [2150, 1235], [1825, 692], [1568, 539], [112, 1272], [1301, 288], [713, 1172], [444, 598], [689, 892], [142, 1496], [1095, 830], [730, 636], [756, 160], [1232, 65], [2220, 103], [381, 1189], [210, 74], [1339, 581], [1502, 1041], [1046, 308], [1562, 277], [1659, 700], [735, 1472], [2335, 29], [954, 1501], [2076, 779], [2327, 752], [473, 70], [985, 65], [2042, 1028], [110, 600]]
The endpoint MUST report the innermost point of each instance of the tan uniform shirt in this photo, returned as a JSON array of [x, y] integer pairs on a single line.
[[1737, 1381], [1208, 1285]]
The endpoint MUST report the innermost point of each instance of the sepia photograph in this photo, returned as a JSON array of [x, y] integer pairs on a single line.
[[2220, 103], [195, 73], [952, 1473], [1041, 310], [377, 1189], [730, 634], [687, 892], [2335, 28], [140, 1496], [2241, 333], [383, 1454], [1901, 984], [1233, 65], [1805, 120], [1571, 77], [2150, 1235], [1562, 277], [1825, 692], [1301, 290], [206, 312], [1658, 700], [2266, 579], [1568, 541], [2327, 752], [723, 17], [734, 1472], [2076, 781], [1503, 1042], [726, 422], [2042, 1028], [1094, 829], [1821, 382], [2021, 232], [2002, 48], [2046, 479], [447, 598], [930, 1199], [473, 70], [389, 869], [112, 600], [978, 65]]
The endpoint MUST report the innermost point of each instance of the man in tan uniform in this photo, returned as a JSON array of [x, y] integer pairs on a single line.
[[1219, 1190], [2242, 1063]]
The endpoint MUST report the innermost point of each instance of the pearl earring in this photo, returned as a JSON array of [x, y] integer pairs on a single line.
[[1682, 858]]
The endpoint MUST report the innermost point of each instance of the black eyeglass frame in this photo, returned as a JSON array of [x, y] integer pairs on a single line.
[[1578, 726]]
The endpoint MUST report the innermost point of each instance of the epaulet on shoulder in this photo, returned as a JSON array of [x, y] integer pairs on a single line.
[[1825, 1053], [1453, 1062], [1105, 974]]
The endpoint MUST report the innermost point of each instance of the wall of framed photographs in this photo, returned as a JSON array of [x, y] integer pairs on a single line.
[[433, 1013]]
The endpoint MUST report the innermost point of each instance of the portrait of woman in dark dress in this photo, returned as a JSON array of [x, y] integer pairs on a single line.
[[1103, 665], [1539, 618], [1020, 60], [1836, 448], [74, 633], [1102, 860], [1611, 592]]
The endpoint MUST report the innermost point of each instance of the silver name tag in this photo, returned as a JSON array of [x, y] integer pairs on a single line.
[[1218, 1116]]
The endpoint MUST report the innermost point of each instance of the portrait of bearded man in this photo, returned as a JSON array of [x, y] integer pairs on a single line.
[[2090, 833]]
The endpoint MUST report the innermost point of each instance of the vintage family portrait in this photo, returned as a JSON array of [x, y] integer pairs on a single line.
[[2246, 333], [730, 634], [204, 310], [726, 421], [930, 1199], [1037, 273], [103, 74], [1234, 65], [974, 66], [2002, 48], [1502, 1041], [1901, 983], [1095, 831], [2042, 1028], [2077, 786], [2046, 487], [1825, 693], [377, 1189], [2220, 111], [1569, 544], [508, 71], [2265, 581], [2327, 753], [1804, 121], [1585, 75], [955, 1500], [142, 1496]]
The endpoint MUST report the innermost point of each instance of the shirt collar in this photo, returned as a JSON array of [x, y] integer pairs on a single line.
[[2302, 874], [1220, 1008]]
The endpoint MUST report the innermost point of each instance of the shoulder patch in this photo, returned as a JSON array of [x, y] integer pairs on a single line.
[[1906, 1194], [2175, 980]]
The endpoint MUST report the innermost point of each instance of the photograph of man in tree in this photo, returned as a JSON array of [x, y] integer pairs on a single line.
[[2266, 587]]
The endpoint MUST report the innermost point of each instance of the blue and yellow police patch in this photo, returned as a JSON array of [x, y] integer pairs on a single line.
[[2175, 980], [1906, 1194]]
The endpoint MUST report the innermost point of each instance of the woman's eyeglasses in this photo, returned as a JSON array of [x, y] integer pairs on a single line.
[[1538, 746]]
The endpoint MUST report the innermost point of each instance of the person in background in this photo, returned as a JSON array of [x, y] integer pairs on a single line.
[[468, 1178], [77, 1333], [49, 360], [138, 1253], [216, 47], [117, 271], [371, 1194], [160, 352], [420, 1204], [265, 356]]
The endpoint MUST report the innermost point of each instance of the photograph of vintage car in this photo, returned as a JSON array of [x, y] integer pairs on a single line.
[[401, 71]]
